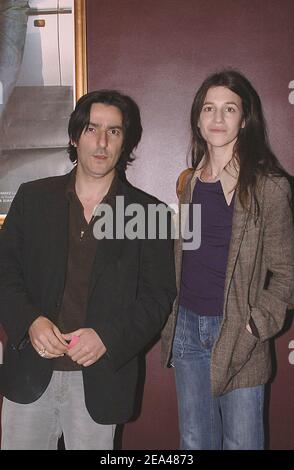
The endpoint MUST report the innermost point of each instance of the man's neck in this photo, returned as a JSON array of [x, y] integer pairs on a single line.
[[91, 189]]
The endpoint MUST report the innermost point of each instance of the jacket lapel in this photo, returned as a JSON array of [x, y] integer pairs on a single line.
[[240, 219], [56, 220], [184, 198]]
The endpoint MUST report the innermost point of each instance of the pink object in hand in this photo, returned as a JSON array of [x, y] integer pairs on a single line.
[[73, 341]]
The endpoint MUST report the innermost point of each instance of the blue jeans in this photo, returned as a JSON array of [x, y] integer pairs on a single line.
[[13, 27], [231, 421]]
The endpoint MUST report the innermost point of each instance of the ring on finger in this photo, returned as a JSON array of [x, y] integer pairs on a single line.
[[42, 352]]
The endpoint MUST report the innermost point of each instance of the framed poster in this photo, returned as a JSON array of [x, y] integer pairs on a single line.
[[42, 73]]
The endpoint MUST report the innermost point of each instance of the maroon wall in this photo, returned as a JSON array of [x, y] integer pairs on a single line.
[[159, 52]]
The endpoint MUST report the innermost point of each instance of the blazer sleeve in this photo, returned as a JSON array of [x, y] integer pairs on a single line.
[[278, 251], [17, 311], [147, 314]]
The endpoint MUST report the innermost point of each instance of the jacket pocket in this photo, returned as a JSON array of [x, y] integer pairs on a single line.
[[244, 347]]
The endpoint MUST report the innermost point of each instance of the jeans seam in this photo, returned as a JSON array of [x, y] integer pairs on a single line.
[[183, 333], [182, 336]]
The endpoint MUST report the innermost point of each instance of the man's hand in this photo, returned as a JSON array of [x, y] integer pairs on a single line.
[[89, 348], [47, 339]]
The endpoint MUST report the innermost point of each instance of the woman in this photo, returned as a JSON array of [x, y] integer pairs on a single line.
[[234, 290]]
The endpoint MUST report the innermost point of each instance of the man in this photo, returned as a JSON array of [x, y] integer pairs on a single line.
[[79, 310]]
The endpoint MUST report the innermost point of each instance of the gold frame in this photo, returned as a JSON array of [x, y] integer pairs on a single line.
[[81, 73]]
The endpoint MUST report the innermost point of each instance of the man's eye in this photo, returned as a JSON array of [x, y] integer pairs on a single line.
[[91, 129], [114, 131]]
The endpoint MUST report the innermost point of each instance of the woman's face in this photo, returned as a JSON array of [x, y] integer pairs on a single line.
[[221, 118]]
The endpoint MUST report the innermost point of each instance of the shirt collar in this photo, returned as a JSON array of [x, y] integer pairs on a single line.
[[109, 198], [228, 178], [70, 188]]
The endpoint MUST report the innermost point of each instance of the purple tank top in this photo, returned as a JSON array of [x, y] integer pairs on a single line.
[[204, 269]]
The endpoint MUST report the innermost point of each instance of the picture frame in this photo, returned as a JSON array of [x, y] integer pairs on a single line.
[[81, 70], [80, 85]]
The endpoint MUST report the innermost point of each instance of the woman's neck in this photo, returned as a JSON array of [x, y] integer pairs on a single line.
[[216, 161]]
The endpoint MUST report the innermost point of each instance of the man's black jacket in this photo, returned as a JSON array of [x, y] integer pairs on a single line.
[[131, 291]]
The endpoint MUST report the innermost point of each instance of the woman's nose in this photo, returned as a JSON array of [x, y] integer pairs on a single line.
[[218, 115]]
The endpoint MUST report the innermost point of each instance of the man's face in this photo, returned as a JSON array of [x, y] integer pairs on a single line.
[[100, 144]]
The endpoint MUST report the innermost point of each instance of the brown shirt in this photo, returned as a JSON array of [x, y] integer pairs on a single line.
[[81, 252]]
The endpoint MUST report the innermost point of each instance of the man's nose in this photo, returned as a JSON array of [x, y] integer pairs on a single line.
[[102, 138]]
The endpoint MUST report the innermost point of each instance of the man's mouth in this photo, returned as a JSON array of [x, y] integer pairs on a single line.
[[100, 157]]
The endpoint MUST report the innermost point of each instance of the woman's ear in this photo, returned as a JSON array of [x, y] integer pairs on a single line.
[[73, 143]]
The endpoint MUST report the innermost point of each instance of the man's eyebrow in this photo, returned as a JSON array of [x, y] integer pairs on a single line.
[[116, 127], [113, 126]]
